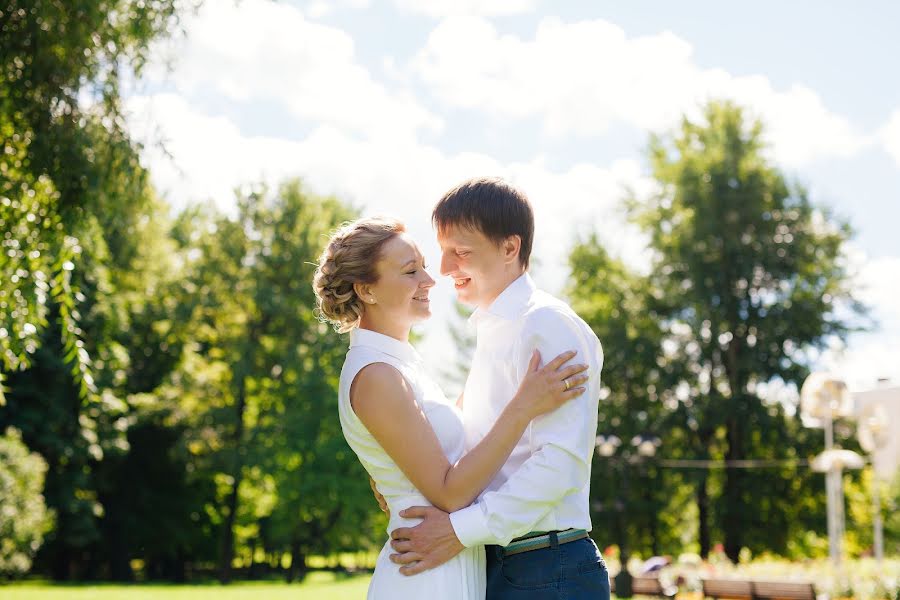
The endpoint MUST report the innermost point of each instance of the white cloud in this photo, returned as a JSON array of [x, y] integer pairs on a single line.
[[364, 145], [192, 156], [872, 355], [258, 50], [487, 8], [323, 8], [579, 78], [208, 157], [890, 136], [879, 286]]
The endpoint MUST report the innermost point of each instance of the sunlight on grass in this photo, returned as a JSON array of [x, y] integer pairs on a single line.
[[318, 586]]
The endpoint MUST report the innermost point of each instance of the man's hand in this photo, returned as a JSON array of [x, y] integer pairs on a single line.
[[382, 504], [427, 545]]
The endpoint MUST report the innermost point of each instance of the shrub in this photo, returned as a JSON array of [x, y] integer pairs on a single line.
[[24, 518]]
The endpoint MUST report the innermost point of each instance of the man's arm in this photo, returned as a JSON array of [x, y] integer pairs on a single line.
[[562, 445]]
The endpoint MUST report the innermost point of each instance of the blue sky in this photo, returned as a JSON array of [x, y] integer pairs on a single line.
[[389, 103]]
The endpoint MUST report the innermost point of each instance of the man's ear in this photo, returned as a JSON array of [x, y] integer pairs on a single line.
[[511, 247]]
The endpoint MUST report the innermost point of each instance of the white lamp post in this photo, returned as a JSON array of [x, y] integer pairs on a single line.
[[873, 435], [824, 398]]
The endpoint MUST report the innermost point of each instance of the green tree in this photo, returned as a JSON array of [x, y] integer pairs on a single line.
[[264, 373], [755, 274], [134, 342], [629, 494], [24, 518], [73, 203], [67, 159]]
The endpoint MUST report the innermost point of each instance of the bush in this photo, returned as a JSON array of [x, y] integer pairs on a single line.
[[24, 518]]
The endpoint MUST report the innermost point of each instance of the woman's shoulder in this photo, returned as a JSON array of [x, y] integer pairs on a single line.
[[359, 357], [380, 365]]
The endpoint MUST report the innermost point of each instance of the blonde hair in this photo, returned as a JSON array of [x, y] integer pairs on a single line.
[[350, 257]]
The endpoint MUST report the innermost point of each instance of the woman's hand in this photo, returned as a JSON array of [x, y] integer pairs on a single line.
[[382, 503], [546, 388]]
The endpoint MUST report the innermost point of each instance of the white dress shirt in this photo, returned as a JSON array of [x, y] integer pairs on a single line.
[[545, 482]]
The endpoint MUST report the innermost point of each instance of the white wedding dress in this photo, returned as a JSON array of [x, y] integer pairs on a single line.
[[463, 577]]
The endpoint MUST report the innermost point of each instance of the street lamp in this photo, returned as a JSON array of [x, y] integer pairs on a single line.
[[873, 436], [824, 398], [642, 447]]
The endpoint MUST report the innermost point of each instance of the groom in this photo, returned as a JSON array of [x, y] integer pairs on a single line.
[[533, 517]]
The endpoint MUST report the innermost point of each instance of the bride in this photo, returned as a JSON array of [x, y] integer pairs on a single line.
[[371, 282]]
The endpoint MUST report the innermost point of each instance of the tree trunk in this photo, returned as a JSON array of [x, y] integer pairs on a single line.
[[120, 563], [226, 553], [180, 574], [653, 513], [734, 509], [703, 514], [119, 553], [298, 562]]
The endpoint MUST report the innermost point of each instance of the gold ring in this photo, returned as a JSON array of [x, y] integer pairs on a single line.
[[566, 381]]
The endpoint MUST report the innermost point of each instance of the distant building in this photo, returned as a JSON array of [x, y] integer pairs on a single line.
[[887, 460]]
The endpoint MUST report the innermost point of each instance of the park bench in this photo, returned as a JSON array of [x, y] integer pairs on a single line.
[[647, 586], [736, 589], [783, 590], [730, 589]]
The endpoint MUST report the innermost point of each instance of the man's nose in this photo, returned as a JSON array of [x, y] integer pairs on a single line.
[[448, 265]]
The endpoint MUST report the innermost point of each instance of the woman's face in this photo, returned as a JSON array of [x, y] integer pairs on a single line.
[[401, 292]]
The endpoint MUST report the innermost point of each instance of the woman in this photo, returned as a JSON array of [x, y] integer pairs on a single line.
[[371, 281]]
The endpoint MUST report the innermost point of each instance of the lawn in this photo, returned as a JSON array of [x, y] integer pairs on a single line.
[[318, 586]]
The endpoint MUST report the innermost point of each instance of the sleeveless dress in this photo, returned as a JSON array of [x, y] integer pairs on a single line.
[[461, 578]]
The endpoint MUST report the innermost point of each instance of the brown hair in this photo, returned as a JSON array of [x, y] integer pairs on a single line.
[[491, 206], [350, 257]]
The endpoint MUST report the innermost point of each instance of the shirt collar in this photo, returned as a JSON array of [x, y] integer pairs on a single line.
[[384, 343], [511, 302]]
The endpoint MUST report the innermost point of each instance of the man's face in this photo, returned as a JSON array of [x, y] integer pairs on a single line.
[[476, 264]]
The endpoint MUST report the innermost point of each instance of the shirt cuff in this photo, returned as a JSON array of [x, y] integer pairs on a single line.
[[470, 526]]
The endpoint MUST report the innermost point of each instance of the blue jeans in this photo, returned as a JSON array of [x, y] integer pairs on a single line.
[[573, 571]]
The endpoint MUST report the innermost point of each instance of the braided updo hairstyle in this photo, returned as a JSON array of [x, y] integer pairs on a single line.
[[350, 257]]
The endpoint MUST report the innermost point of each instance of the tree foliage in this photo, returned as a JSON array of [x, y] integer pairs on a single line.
[[175, 393], [752, 278], [24, 519], [264, 376], [616, 302], [70, 176], [79, 227]]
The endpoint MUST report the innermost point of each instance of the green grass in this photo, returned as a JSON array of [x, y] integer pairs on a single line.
[[317, 586]]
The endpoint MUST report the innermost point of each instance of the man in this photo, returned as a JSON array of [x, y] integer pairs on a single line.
[[533, 518]]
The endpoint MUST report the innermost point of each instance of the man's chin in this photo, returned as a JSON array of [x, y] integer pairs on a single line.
[[463, 298]]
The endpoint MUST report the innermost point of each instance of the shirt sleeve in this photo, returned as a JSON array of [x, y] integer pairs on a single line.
[[561, 442]]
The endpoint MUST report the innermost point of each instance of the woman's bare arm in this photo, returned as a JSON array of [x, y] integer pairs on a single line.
[[384, 402]]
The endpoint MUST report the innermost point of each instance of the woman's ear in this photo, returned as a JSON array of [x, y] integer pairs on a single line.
[[364, 292]]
